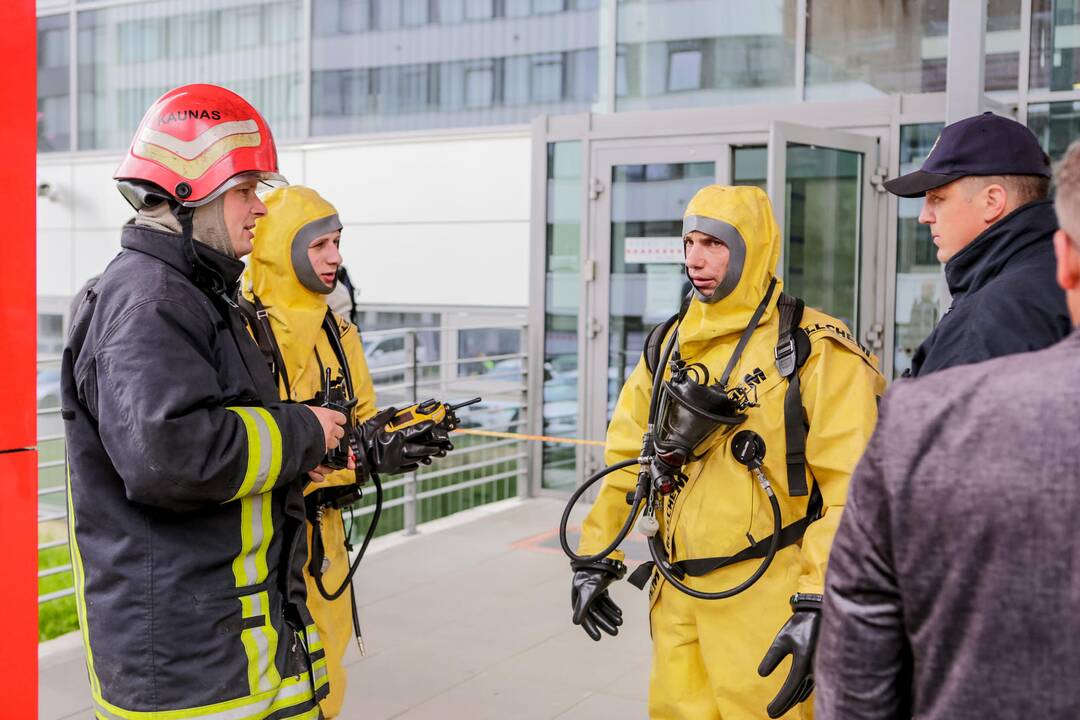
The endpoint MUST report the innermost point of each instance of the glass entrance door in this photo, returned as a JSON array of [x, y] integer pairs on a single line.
[[819, 182], [820, 185], [636, 240]]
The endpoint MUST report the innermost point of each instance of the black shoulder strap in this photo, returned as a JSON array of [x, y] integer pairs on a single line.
[[259, 320], [333, 334], [654, 343], [792, 349]]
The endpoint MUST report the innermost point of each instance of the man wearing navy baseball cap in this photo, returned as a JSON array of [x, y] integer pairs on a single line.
[[985, 186]]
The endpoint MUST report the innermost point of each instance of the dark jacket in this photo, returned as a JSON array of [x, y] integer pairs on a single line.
[[1004, 296], [954, 578], [186, 517]]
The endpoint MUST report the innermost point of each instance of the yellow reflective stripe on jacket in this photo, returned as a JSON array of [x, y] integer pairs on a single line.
[[292, 691], [249, 568], [260, 643], [264, 451], [313, 638], [78, 577]]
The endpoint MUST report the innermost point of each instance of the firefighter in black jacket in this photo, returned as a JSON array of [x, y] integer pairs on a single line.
[[186, 515]]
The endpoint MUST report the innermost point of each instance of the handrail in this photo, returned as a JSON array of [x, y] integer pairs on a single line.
[[508, 387]]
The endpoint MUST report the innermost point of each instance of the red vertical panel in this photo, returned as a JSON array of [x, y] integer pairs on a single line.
[[18, 601], [18, 350], [18, 319]]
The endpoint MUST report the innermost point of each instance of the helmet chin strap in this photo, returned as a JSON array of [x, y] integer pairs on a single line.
[[204, 274]]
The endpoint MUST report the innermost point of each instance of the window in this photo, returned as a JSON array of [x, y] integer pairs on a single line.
[[132, 52], [730, 53], [53, 86], [684, 70], [547, 78], [480, 86], [340, 17], [852, 48], [918, 273]]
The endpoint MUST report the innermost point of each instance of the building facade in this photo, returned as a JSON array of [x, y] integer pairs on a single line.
[[508, 158]]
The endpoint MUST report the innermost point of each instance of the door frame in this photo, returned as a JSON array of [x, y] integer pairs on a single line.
[[869, 320], [880, 117]]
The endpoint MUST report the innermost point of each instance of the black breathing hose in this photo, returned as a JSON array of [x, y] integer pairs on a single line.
[[639, 497], [640, 492], [363, 546]]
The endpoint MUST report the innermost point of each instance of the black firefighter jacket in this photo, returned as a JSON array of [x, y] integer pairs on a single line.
[[186, 515], [954, 577], [1004, 296]]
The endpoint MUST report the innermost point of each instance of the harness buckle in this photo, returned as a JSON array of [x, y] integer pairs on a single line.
[[785, 356]]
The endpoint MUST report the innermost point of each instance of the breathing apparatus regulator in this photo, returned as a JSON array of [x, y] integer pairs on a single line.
[[686, 411]]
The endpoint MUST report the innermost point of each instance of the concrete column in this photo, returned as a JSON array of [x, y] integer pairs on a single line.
[[964, 80]]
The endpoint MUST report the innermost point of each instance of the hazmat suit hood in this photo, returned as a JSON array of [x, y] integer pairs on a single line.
[[280, 274], [742, 218]]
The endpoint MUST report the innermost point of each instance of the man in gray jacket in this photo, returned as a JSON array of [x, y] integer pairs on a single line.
[[954, 578]]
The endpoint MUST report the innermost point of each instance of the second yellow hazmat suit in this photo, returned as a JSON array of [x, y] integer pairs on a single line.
[[706, 652], [295, 216]]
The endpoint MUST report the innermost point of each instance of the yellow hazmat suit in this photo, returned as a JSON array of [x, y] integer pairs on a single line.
[[296, 215], [706, 652]]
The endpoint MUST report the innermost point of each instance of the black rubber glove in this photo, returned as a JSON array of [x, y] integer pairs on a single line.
[[402, 450], [594, 610], [797, 638]]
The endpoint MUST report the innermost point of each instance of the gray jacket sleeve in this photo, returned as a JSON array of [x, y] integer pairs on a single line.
[[863, 661], [173, 436]]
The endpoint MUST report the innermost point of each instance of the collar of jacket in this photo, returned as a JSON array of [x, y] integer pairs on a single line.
[[169, 248], [982, 260]]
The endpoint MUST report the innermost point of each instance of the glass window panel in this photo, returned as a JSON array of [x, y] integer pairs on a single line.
[[918, 273], [561, 300], [742, 51], [130, 54], [547, 78], [684, 70], [480, 86], [1055, 44], [451, 11], [1002, 44], [647, 201], [479, 9], [1056, 125], [860, 48], [822, 228], [547, 6], [517, 8], [463, 84], [750, 166], [388, 14], [516, 81], [53, 83], [414, 12]]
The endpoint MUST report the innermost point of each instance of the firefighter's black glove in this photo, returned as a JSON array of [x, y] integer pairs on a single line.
[[797, 638], [402, 450], [594, 610]]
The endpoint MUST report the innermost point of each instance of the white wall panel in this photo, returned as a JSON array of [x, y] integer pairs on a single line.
[[95, 201], [429, 221], [439, 264], [55, 262], [476, 179], [54, 213], [93, 249], [291, 165]]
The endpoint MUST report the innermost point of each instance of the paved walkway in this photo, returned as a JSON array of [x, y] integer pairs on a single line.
[[469, 619]]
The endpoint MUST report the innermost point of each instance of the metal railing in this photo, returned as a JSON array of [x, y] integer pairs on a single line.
[[425, 363]]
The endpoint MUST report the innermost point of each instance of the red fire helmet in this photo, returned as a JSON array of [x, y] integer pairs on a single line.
[[197, 141]]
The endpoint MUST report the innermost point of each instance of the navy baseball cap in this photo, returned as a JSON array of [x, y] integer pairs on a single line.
[[986, 144]]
